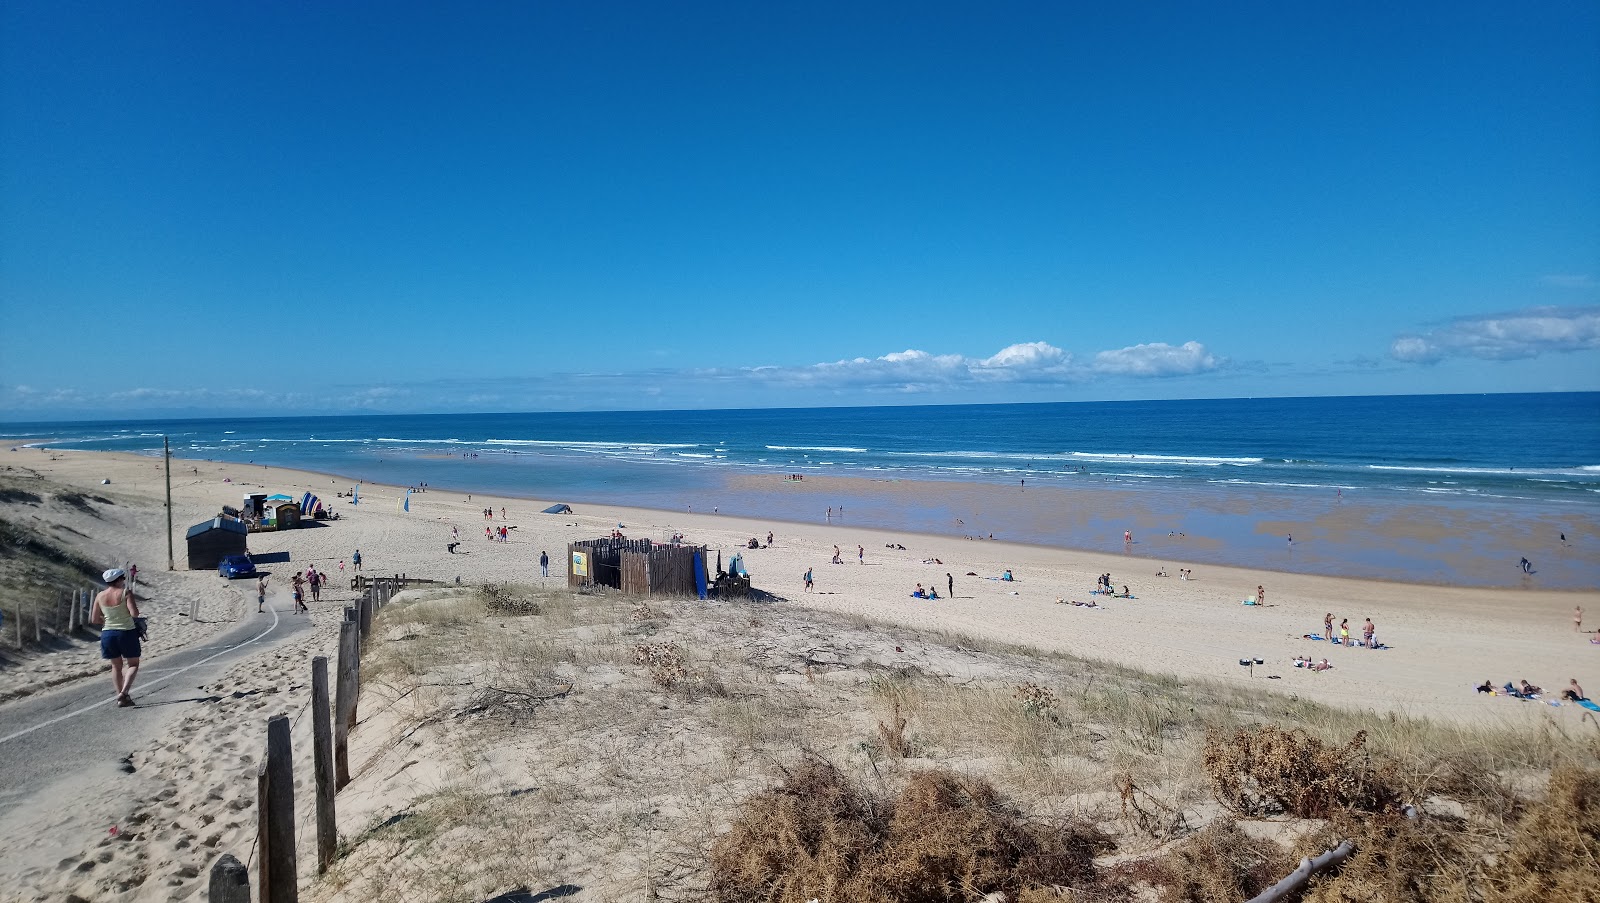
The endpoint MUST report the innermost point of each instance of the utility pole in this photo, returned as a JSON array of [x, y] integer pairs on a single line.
[[166, 449]]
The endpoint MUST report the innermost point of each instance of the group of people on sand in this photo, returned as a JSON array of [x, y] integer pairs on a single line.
[[1524, 690], [1103, 587], [931, 592], [1369, 631]]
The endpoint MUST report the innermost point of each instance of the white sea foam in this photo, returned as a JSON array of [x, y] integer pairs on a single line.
[[824, 448]]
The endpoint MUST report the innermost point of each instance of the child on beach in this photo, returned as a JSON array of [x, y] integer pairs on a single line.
[[807, 579]]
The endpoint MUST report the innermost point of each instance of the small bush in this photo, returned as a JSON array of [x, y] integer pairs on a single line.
[[1040, 702], [502, 599], [894, 734], [1266, 771], [665, 664], [1555, 853], [945, 838], [1220, 864]]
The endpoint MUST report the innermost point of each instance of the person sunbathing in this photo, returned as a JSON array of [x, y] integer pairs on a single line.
[[1322, 666], [1530, 690], [1486, 687], [1302, 662]]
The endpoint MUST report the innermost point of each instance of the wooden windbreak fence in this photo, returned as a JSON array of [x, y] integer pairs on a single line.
[[68, 616], [635, 566], [333, 715]]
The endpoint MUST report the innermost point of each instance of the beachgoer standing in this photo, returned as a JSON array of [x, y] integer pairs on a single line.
[[1261, 595], [1344, 632], [950, 585], [807, 579], [1127, 536], [1367, 630], [1527, 566], [315, 579], [114, 610], [1577, 618], [1327, 626], [299, 594], [261, 594], [355, 560], [544, 564], [861, 554]]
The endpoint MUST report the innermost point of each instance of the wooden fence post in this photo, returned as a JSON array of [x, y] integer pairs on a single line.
[[344, 710], [230, 881], [278, 881], [72, 615], [366, 615], [322, 755]]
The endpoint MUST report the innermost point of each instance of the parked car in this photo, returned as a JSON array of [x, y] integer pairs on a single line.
[[236, 566]]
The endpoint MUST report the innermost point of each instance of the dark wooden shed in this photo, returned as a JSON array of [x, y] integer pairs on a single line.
[[287, 514], [638, 566], [214, 540]]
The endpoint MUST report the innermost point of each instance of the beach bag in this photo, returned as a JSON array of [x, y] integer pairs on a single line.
[[142, 625]]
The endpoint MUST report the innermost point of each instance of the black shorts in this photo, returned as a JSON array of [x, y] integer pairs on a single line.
[[119, 644]]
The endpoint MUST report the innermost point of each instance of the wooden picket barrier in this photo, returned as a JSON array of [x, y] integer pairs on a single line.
[[275, 879]]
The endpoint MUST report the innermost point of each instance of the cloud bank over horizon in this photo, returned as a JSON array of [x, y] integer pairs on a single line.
[[1503, 337], [909, 372]]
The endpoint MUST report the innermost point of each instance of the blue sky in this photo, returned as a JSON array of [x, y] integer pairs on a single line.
[[273, 208]]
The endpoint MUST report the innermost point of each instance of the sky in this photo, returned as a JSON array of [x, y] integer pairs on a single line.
[[287, 208]]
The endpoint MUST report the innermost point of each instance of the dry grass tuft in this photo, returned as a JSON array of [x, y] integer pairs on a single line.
[[664, 661], [1555, 853], [1220, 864], [1266, 770], [894, 734], [946, 837], [1040, 702]]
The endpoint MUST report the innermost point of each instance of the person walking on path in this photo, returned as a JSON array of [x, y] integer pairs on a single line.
[[261, 594], [114, 610], [544, 564], [355, 560], [299, 593]]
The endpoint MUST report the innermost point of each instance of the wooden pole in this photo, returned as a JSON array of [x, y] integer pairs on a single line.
[[322, 754], [344, 710], [277, 858], [230, 881], [366, 615], [263, 890], [166, 449], [1300, 877]]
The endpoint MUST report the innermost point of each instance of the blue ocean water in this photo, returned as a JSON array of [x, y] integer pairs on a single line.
[[1508, 472], [1530, 447]]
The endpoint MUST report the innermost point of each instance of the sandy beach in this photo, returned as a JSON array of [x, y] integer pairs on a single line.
[[1441, 640]]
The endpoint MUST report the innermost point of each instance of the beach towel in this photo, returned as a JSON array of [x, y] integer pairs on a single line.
[[1315, 636]]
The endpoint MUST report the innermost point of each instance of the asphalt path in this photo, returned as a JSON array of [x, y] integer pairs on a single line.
[[78, 729]]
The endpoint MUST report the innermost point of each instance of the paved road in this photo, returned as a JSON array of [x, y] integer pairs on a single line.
[[65, 731]]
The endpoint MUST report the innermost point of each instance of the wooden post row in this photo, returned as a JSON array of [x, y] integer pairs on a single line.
[[344, 711], [322, 762], [275, 782]]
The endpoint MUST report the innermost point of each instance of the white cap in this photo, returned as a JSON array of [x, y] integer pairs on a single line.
[[113, 575]]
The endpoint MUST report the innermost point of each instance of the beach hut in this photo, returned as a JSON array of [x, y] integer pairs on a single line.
[[285, 514], [213, 540], [638, 566]]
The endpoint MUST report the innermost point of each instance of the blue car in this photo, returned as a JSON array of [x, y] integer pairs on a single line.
[[236, 566]]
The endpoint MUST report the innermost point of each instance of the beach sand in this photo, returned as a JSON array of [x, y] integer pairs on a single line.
[[1443, 640]]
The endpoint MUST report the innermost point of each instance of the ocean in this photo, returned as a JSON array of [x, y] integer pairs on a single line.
[[1529, 458]]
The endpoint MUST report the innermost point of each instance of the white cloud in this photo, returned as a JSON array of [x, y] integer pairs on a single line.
[[1509, 336], [1033, 365], [1156, 359]]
